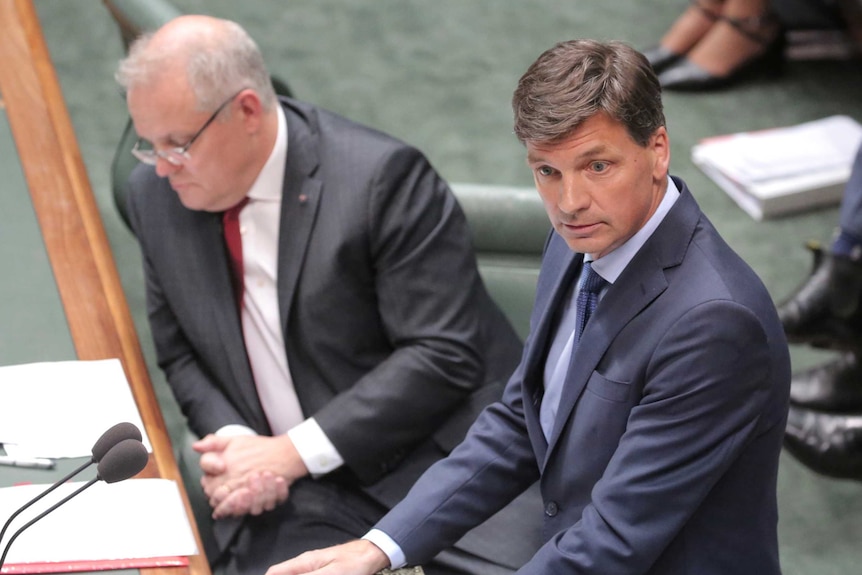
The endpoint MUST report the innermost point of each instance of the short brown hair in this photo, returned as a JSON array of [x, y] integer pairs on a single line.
[[574, 80]]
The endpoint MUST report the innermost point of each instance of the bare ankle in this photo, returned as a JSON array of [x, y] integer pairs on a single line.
[[692, 25]]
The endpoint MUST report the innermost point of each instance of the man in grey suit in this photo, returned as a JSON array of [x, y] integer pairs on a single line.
[[313, 297], [653, 391]]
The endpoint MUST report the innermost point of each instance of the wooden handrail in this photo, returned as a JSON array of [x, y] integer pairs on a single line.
[[87, 279]]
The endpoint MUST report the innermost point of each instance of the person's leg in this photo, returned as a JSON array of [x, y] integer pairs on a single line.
[[317, 514], [457, 562], [692, 25], [850, 218], [826, 311], [744, 31], [684, 33]]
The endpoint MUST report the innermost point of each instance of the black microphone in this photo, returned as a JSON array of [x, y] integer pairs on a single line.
[[109, 439], [123, 460], [113, 436]]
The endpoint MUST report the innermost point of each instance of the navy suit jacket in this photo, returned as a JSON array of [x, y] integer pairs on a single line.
[[664, 456]]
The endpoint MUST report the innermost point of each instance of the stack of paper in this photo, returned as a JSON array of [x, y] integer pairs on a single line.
[[134, 523], [779, 171], [59, 409]]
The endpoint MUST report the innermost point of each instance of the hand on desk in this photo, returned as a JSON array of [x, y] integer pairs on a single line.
[[247, 474], [359, 557]]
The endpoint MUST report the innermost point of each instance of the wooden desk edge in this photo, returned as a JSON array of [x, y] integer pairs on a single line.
[[81, 258]]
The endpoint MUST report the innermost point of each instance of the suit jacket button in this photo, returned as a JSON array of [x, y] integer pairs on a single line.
[[551, 508]]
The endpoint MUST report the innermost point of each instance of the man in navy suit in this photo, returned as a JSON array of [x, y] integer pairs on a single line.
[[655, 429]]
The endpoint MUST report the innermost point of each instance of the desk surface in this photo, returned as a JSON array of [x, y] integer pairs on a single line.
[[55, 246]]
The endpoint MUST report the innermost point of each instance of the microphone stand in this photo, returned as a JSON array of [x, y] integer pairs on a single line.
[[43, 514], [40, 496]]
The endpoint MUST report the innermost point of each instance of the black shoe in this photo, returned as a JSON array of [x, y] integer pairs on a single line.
[[835, 386], [827, 443], [825, 310], [661, 58], [687, 76]]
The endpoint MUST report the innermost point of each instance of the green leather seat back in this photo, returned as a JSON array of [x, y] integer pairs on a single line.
[[509, 227], [137, 16]]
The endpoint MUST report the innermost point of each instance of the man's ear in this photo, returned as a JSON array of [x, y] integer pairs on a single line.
[[660, 145], [250, 109]]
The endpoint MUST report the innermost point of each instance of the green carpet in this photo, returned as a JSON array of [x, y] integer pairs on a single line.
[[439, 74]]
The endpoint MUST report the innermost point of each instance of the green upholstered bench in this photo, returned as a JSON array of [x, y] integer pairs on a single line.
[[509, 227]]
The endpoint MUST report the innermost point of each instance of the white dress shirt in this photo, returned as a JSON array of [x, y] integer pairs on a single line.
[[261, 323]]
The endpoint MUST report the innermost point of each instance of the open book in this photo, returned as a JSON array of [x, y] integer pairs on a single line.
[[783, 170]]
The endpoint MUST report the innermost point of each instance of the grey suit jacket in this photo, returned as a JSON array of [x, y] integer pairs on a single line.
[[392, 340], [664, 455]]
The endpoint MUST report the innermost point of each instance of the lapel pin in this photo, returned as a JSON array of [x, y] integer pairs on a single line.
[[303, 198]]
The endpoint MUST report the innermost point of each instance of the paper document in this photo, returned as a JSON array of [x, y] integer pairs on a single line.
[[811, 147], [136, 518], [59, 409], [783, 170]]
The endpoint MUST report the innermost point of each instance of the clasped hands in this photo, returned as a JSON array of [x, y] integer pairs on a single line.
[[247, 474], [250, 474]]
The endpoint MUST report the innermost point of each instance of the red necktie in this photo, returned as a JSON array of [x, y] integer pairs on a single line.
[[233, 239]]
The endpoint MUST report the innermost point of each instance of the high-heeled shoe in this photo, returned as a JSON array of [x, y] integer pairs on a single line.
[[685, 75], [660, 57]]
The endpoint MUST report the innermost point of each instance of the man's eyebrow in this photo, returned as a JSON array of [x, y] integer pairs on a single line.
[[597, 150], [532, 158]]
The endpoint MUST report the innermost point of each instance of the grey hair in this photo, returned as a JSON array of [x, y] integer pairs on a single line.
[[216, 65], [574, 80]]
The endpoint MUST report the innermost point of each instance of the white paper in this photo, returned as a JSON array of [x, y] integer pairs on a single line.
[[808, 148], [133, 519], [783, 170], [60, 409]]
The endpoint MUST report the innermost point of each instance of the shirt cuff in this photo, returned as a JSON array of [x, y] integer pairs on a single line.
[[234, 429], [388, 546], [315, 449]]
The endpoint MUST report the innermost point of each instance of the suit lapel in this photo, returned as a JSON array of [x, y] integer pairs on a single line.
[[214, 270], [621, 303], [299, 205], [561, 266], [638, 285]]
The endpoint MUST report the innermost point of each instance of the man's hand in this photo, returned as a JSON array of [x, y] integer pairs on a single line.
[[358, 557], [261, 491], [247, 474]]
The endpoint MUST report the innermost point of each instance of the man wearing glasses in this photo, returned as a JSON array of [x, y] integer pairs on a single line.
[[313, 298]]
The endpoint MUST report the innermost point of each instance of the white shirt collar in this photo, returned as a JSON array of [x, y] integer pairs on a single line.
[[611, 265], [269, 182]]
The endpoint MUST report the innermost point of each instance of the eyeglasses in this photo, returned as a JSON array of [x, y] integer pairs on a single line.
[[179, 155]]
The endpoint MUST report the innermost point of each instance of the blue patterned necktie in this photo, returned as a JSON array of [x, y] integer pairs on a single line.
[[585, 304], [588, 298]]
